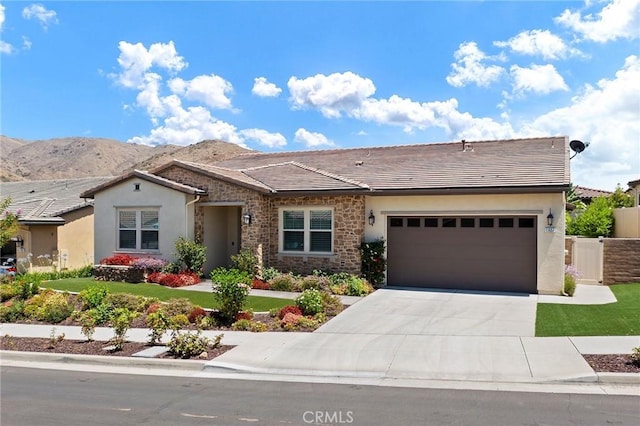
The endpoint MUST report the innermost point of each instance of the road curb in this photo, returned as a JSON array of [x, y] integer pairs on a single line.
[[103, 360]]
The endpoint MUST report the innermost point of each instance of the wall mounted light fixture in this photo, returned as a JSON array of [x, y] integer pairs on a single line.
[[372, 218], [246, 218], [550, 219]]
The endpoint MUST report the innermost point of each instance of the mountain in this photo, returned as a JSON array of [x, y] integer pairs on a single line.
[[76, 157]]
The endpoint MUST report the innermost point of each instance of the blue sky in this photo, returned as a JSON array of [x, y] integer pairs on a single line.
[[276, 76]]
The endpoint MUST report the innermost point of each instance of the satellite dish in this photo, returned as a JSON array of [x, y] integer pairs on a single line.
[[577, 147]]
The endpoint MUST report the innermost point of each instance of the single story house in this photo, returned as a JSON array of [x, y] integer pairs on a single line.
[[56, 226], [486, 215]]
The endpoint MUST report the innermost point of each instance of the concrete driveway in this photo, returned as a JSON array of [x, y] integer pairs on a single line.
[[404, 311]]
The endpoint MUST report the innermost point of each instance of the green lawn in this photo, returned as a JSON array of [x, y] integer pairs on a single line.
[[615, 319], [200, 298]]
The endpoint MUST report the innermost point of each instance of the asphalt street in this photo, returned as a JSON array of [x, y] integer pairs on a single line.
[[51, 397]]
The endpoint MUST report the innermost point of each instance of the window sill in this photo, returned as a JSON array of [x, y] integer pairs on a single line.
[[304, 255], [153, 252]]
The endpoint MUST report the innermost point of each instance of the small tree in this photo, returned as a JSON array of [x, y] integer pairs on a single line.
[[192, 254], [595, 221], [619, 198], [8, 222]]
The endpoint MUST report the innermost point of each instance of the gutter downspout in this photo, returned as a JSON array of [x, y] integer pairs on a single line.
[[186, 215]]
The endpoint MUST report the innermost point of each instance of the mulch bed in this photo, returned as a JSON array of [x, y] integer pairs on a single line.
[[619, 363], [83, 347]]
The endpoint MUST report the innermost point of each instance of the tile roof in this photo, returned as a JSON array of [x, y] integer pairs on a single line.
[[46, 200], [91, 191], [517, 163], [590, 193]]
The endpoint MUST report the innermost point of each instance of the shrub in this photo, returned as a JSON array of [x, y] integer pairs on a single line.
[[292, 321], [118, 259], [93, 296], [282, 282], [315, 281], [310, 302], [125, 300], [49, 306], [102, 313], [248, 325], [12, 311], [196, 315], [171, 280], [27, 289], [230, 293], [245, 261], [260, 285], [159, 323], [188, 345], [358, 286], [571, 274], [192, 254], [88, 322], [121, 321], [53, 339], [289, 309], [177, 306], [635, 356], [8, 291], [178, 322], [149, 264], [331, 305], [373, 261], [153, 308], [248, 315], [269, 273]]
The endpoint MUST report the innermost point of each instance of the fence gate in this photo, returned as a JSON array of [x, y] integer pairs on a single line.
[[588, 259]]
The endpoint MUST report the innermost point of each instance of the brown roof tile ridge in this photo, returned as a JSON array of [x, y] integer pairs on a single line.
[[222, 170], [168, 181], [331, 175], [584, 188]]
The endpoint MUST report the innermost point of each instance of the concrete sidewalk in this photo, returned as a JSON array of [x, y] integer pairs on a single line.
[[462, 358]]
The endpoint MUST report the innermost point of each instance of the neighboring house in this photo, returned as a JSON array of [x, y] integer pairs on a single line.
[[56, 226], [464, 215], [627, 220], [588, 194]]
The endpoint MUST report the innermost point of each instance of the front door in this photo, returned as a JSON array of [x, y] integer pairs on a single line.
[[221, 235]]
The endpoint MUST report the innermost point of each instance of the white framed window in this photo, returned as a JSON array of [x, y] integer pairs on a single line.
[[306, 230], [138, 229]]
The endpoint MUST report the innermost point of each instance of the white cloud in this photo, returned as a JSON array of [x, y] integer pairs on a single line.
[[6, 47], [135, 60], [542, 79], [469, 67], [2, 18], [26, 43], [618, 19], [271, 140], [312, 139], [539, 43], [332, 94], [608, 116], [262, 88], [209, 89], [40, 13]]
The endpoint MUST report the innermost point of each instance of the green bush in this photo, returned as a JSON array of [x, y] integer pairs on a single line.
[[27, 289], [177, 306], [192, 254], [88, 322], [635, 356], [93, 296], [373, 261], [159, 323], [11, 312], [569, 284], [188, 345], [310, 302], [121, 321], [331, 305], [8, 291], [269, 273], [130, 301], [594, 221], [230, 291], [245, 261], [48, 306], [249, 325]]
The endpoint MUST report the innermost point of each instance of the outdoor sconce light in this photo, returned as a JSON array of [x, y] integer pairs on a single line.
[[372, 218], [19, 241], [246, 219], [550, 218]]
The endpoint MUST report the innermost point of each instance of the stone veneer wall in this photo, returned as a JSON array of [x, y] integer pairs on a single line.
[[349, 219], [254, 236], [262, 234], [621, 260]]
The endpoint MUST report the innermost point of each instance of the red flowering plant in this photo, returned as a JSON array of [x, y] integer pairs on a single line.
[[374, 263], [118, 259]]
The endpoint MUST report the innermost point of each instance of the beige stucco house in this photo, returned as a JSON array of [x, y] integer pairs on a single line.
[[627, 220], [484, 215], [56, 225]]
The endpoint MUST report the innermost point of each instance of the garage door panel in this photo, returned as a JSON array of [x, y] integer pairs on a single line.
[[502, 259]]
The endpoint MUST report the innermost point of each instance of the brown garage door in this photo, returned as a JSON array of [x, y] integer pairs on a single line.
[[495, 253]]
